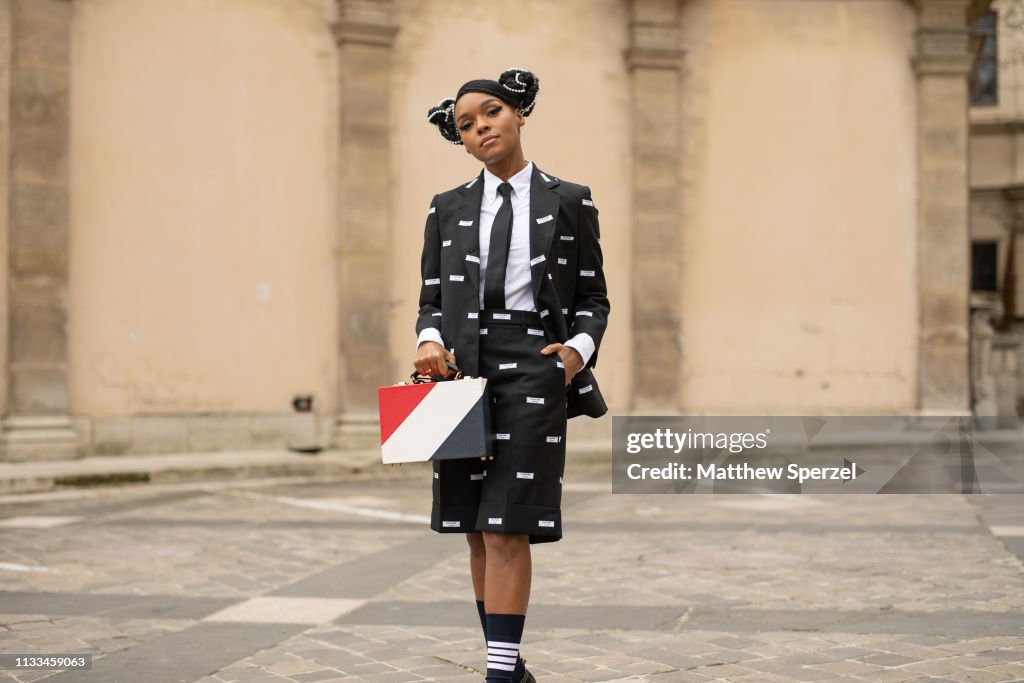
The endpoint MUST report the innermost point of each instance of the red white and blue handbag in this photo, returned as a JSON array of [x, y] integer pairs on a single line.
[[434, 419]]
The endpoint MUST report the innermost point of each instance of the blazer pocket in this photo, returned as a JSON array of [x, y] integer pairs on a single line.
[[585, 396]]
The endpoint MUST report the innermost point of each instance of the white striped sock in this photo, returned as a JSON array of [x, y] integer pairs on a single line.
[[502, 656], [505, 632]]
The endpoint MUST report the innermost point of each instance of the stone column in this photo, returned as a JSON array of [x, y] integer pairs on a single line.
[[34, 205], [941, 64], [655, 63], [365, 31]]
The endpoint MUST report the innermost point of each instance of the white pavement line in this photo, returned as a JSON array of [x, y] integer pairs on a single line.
[[13, 567], [683, 618], [30, 522], [338, 506], [277, 610], [1008, 531], [145, 490]]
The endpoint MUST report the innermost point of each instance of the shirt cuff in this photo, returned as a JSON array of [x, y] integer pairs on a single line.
[[584, 345], [430, 334]]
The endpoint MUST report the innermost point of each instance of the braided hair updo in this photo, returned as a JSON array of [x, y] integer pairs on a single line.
[[516, 87]]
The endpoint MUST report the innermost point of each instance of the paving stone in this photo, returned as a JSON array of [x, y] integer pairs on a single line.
[[726, 671], [888, 660], [805, 674], [899, 589], [1008, 655], [890, 676], [847, 667]]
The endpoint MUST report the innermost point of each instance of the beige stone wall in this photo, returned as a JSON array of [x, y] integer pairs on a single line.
[[203, 172], [579, 131], [204, 210], [799, 276], [210, 209]]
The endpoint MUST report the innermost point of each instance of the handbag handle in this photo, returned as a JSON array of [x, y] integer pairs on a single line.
[[417, 378]]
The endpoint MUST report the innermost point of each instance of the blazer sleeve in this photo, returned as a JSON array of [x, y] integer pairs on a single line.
[[430, 274], [591, 306]]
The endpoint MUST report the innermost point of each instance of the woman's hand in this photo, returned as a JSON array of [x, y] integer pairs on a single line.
[[432, 359], [571, 358]]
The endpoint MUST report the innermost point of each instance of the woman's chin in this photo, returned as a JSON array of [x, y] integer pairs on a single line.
[[488, 156]]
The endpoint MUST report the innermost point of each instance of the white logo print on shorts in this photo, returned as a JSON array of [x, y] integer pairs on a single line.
[[546, 522], [494, 520], [451, 523], [535, 399]]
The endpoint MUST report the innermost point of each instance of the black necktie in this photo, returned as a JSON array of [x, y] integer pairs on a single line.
[[497, 251]]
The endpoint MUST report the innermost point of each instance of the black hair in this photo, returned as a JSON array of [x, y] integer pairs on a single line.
[[516, 87]]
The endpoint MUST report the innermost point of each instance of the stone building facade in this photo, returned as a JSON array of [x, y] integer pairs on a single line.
[[997, 208], [210, 209]]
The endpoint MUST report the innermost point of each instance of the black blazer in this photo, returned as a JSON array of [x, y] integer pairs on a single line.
[[569, 287]]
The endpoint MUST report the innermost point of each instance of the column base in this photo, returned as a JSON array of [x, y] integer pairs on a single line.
[[42, 438], [357, 432]]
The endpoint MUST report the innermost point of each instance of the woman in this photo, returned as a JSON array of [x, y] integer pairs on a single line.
[[513, 290]]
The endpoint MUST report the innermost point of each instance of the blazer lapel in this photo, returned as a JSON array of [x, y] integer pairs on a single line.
[[467, 226], [544, 203]]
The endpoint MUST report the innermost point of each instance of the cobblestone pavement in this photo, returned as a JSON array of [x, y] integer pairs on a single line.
[[315, 580]]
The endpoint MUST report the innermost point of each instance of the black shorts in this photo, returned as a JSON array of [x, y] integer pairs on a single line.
[[520, 490]]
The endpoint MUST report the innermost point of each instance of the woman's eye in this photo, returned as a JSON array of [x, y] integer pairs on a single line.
[[494, 111]]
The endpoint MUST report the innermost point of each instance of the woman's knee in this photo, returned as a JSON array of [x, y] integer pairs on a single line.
[[506, 545]]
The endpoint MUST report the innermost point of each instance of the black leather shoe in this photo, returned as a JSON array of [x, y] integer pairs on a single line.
[[522, 674]]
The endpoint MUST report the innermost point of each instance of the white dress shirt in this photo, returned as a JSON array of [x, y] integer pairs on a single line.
[[518, 282]]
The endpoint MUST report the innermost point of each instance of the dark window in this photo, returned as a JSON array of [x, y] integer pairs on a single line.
[[984, 267], [984, 70]]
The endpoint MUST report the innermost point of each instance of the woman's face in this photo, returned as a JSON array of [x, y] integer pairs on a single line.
[[489, 127]]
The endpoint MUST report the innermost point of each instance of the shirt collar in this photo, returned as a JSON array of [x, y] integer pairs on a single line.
[[520, 183]]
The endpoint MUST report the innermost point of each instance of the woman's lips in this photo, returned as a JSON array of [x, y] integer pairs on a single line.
[[488, 141]]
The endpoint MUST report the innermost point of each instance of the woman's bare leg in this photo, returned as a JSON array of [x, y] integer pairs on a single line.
[[477, 563], [508, 570]]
